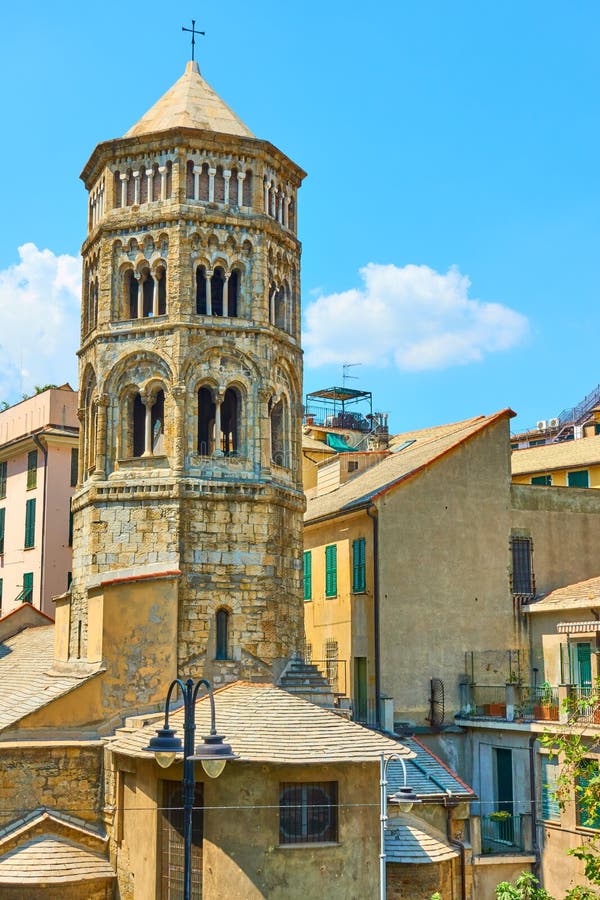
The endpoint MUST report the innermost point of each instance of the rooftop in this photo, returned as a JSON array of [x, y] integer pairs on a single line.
[[190, 103], [412, 452], [583, 452], [266, 724], [581, 595]]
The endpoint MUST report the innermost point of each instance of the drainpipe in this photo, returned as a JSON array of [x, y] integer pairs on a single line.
[[372, 513], [462, 849], [43, 447], [532, 797]]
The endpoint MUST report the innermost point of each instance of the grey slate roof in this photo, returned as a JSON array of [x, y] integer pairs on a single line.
[[50, 859], [405, 843], [25, 684], [427, 775], [266, 724]]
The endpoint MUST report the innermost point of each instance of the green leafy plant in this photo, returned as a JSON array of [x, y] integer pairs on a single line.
[[500, 815], [546, 695], [526, 887]]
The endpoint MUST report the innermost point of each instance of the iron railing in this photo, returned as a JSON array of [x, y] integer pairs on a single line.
[[585, 703], [502, 833], [490, 700]]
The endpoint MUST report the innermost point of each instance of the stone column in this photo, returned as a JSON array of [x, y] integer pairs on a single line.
[[136, 188], [197, 174], [148, 404], [286, 212], [272, 305], [162, 170], [225, 297], [140, 296], [101, 436], [226, 176], [267, 191], [240, 188], [207, 276], [211, 184], [218, 401], [123, 177], [178, 393], [279, 201], [155, 294], [150, 177]]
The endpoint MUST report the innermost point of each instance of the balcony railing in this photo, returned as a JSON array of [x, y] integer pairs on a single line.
[[529, 702], [585, 703], [502, 833]]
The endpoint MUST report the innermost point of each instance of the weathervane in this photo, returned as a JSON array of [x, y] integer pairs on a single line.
[[193, 32]]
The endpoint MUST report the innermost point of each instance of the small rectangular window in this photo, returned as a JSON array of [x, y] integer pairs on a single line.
[[523, 581], [550, 805], [29, 524], [358, 566], [545, 480], [70, 528], [332, 664], [74, 465], [308, 813], [331, 570], [32, 461], [69, 579], [580, 478], [3, 468], [307, 575], [2, 526], [1, 586], [27, 592]]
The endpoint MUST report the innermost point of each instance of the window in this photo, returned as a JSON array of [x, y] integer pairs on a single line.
[[550, 805], [330, 651], [29, 524], [222, 623], [279, 455], [3, 466], [32, 458], [586, 817], [171, 828], [352, 465], [308, 813], [70, 528], [358, 566], [523, 581], [307, 575], [26, 595], [2, 526], [69, 579], [0, 596], [545, 480], [580, 478], [331, 570], [74, 466]]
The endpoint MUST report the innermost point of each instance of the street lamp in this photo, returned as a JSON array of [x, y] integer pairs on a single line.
[[213, 753], [405, 797]]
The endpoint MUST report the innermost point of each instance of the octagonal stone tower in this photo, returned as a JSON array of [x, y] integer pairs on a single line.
[[190, 382]]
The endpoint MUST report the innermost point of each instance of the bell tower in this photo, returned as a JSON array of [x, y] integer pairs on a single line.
[[190, 382]]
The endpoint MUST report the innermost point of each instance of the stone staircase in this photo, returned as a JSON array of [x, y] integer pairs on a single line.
[[305, 680]]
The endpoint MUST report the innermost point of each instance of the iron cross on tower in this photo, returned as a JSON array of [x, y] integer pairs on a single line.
[[193, 32]]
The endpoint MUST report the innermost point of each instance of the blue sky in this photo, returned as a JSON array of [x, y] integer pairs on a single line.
[[450, 219]]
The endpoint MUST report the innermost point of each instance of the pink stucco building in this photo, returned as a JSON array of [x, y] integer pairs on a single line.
[[38, 473]]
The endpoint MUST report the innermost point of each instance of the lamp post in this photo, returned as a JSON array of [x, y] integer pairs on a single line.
[[405, 797], [213, 753]]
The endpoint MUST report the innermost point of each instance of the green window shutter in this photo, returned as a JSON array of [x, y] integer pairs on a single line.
[[580, 479], [545, 480], [32, 461], [331, 570], [307, 575], [550, 805], [585, 817], [2, 525], [3, 467], [27, 595], [358, 565], [30, 524]]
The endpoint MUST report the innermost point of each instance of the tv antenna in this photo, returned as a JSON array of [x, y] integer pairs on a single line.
[[345, 376]]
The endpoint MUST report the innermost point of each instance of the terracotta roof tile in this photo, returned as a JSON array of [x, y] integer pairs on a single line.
[[581, 595], [566, 454]]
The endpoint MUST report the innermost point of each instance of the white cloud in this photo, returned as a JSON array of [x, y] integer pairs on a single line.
[[412, 317], [39, 321]]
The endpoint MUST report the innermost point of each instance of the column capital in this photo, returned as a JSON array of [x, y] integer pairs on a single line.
[[197, 169], [179, 391], [136, 174], [227, 173], [162, 169], [102, 400], [212, 170], [81, 411], [149, 171], [123, 176]]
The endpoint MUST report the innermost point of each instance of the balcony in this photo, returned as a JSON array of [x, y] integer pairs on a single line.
[[511, 702], [503, 833]]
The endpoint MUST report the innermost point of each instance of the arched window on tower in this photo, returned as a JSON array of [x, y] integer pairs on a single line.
[[161, 278], [158, 424], [247, 190], [189, 180], [131, 287], [139, 426], [148, 291], [117, 189], [201, 291], [219, 185], [216, 291], [280, 308], [222, 629], [206, 422], [279, 454], [233, 292], [230, 423]]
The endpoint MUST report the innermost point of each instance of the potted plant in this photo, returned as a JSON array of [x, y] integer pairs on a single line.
[[545, 708]]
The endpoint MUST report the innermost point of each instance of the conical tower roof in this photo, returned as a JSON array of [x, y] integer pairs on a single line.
[[190, 103]]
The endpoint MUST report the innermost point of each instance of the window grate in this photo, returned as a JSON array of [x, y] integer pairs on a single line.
[[308, 813], [523, 581]]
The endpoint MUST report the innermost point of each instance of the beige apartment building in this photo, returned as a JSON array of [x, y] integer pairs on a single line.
[[38, 473]]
